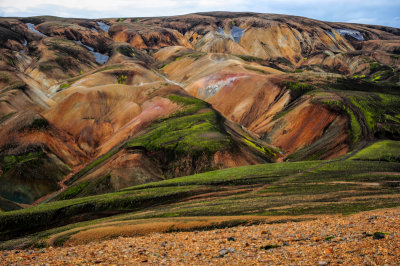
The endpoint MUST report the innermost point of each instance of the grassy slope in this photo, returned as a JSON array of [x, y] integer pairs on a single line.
[[177, 134], [195, 131], [270, 189], [386, 150]]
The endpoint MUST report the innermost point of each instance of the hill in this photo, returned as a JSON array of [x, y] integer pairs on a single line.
[[115, 121]]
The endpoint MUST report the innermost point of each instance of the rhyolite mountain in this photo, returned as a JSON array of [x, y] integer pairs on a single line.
[[91, 106]]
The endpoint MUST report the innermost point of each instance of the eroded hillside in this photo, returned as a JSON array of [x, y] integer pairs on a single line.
[[93, 106]]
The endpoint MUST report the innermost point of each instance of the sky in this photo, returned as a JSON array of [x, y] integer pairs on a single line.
[[377, 12]]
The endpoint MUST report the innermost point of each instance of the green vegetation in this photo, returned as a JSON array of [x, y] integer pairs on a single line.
[[56, 212], [183, 133], [72, 191], [376, 77], [298, 89], [4, 77], [351, 84], [269, 189], [126, 50], [256, 69], [381, 112], [65, 47], [386, 150], [374, 66], [270, 152], [189, 104], [328, 238], [194, 55], [249, 58], [87, 188], [121, 79], [45, 67], [283, 113], [38, 124], [92, 165], [10, 161], [359, 102], [355, 128], [65, 85], [262, 173], [332, 208], [164, 66], [188, 134]]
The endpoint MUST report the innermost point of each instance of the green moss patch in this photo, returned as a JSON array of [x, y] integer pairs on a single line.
[[10, 161], [355, 128], [381, 113], [185, 132], [386, 150], [71, 192], [297, 89], [188, 134]]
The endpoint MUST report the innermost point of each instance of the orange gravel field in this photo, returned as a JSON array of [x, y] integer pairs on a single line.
[[348, 240]]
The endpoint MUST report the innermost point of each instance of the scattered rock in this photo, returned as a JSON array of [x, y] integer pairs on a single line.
[[245, 250], [266, 247], [225, 251], [231, 238], [329, 251], [379, 235]]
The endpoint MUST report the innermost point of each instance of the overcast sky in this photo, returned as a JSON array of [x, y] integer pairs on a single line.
[[379, 12]]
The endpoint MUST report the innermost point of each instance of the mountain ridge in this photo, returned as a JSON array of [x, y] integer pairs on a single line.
[[115, 102]]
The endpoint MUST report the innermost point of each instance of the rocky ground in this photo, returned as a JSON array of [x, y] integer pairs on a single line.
[[366, 238]]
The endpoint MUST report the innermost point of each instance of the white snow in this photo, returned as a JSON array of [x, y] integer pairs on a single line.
[[353, 33], [100, 58], [31, 27], [103, 26]]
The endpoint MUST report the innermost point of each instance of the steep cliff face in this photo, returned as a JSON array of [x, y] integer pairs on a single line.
[[93, 106]]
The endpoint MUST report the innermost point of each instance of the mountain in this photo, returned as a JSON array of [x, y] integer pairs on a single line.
[[94, 106]]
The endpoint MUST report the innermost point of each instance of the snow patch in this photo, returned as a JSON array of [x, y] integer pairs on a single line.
[[212, 89], [31, 27], [353, 33], [235, 34], [170, 81], [100, 58], [103, 26]]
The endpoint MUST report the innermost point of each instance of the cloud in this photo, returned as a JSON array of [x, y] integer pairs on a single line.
[[384, 12]]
